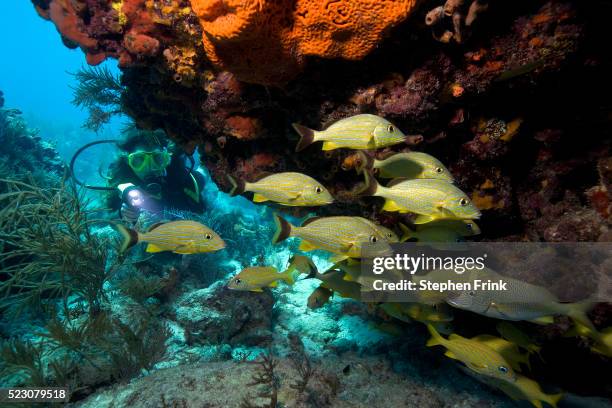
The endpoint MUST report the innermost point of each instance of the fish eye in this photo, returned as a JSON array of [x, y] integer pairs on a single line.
[[472, 293], [390, 235], [503, 369], [463, 202], [208, 236], [373, 239], [237, 281], [469, 226], [318, 190], [439, 170], [390, 128]]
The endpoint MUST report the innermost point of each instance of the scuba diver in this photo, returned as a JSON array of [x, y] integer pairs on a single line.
[[150, 174]]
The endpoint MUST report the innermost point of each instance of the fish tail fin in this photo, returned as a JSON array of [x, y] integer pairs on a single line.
[[364, 162], [578, 313], [238, 186], [310, 269], [130, 237], [371, 184], [307, 136], [554, 399], [436, 339], [283, 229], [291, 275], [407, 233]]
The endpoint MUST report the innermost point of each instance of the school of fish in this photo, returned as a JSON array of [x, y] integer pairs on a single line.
[[422, 186]]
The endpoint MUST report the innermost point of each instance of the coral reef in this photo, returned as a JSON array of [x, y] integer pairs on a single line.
[[513, 101], [23, 150], [217, 315], [479, 105]]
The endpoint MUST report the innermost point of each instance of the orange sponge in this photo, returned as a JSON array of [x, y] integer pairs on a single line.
[[265, 41]]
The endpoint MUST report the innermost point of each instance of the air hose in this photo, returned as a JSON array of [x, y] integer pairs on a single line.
[[76, 155]]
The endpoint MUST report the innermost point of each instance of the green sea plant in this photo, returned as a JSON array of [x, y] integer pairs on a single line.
[[139, 287], [48, 250], [116, 350], [22, 360], [98, 91]]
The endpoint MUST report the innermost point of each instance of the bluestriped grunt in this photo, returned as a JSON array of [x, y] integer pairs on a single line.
[[180, 237], [408, 165], [341, 235], [292, 189], [430, 199], [255, 278], [363, 131]]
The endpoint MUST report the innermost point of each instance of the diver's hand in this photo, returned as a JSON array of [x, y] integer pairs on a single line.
[[129, 214]]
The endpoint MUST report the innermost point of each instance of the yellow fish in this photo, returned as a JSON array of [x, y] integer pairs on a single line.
[[478, 357], [508, 350], [255, 278], [180, 237], [416, 311], [441, 231], [523, 388], [604, 343], [431, 199], [410, 165], [603, 340], [319, 297], [340, 235], [291, 189], [332, 279], [356, 132], [515, 335]]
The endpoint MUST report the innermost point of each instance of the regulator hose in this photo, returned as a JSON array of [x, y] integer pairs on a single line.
[[76, 155]]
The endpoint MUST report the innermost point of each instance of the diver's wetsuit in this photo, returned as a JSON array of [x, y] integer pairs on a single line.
[[180, 189]]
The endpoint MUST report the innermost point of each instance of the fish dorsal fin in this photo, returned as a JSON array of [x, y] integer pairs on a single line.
[[310, 220], [391, 206], [156, 225], [485, 338], [306, 246], [396, 181], [454, 336], [258, 198]]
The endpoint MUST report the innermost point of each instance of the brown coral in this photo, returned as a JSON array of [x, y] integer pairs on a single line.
[[265, 41]]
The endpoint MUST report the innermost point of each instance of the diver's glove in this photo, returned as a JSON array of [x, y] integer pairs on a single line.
[[129, 214]]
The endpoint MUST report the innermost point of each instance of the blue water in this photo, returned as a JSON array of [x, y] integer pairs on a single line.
[[35, 76]]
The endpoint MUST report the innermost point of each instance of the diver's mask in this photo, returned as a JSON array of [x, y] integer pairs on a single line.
[[148, 164]]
